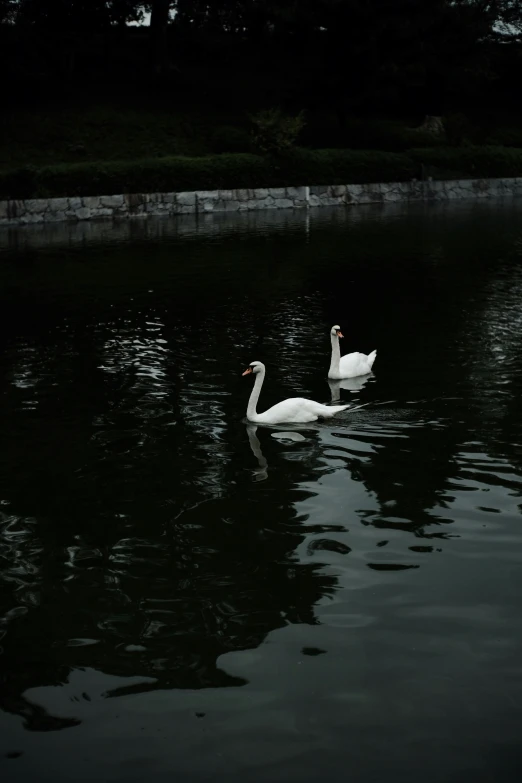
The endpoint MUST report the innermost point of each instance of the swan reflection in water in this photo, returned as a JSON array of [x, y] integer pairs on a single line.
[[352, 385], [261, 472]]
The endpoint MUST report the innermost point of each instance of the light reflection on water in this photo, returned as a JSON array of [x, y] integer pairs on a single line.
[[186, 594]]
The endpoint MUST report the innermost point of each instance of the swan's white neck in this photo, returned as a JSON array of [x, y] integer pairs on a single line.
[[254, 396], [334, 371]]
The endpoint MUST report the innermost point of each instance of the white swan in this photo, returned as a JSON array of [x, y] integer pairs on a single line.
[[295, 409], [352, 364]]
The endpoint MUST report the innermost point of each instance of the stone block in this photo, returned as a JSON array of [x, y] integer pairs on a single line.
[[91, 202], [32, 217], [206, 195], [392, 195], [4, 210], [479, 186], [134, 200], [242, 194], [497, 188], [314, 200], [266, 203], [296, 193], [259, 193], [284, 203], [277, 192], [36, 205], [83, 213], [75, 202], [354, 190], [112, 201], [58, 204], [185, 199], [415, 191], [56, 217]]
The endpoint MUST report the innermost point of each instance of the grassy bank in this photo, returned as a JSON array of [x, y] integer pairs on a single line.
[[93, 150], [122, 132], [243, 170]]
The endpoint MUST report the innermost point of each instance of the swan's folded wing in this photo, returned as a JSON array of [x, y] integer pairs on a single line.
[[354, 363], [325, 410], [295, 409]]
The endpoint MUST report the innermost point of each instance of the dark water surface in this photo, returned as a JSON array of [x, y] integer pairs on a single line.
[[185, 598]]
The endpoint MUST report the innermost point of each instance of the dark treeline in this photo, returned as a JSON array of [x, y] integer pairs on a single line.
[[411, 57]]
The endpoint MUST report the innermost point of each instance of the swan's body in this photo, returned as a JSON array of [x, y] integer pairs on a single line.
[[293, 410], [351, 365]]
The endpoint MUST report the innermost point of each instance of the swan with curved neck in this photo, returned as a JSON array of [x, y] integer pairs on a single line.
[[295, 409], [351, 365]]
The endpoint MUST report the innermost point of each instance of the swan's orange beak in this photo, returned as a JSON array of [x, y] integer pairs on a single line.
[[247, 371], [340, 334]]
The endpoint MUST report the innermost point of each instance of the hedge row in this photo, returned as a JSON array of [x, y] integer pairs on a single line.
[[455, 162], [301, 167]]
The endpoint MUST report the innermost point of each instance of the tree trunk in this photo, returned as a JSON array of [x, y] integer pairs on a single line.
[[159, 20]]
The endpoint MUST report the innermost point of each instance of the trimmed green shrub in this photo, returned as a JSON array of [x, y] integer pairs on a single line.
[[297, 167], [504, 137], [319, 167], [339, 167], [469, 162], [139, 176]]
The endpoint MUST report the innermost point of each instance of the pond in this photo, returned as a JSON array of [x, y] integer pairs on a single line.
[[187, 597]]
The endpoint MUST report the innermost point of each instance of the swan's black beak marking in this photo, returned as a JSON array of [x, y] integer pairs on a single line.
[[340, 334], [247, 371]]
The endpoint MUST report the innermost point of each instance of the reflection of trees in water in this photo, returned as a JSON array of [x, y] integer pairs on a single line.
[[408, 471], [126, 545], [221, 577], [494, 364], [416, 465], [137, 555]]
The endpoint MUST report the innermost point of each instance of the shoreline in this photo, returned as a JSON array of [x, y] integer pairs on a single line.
[[142, 205]]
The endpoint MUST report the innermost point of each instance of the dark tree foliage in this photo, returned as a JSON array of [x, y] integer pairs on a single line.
[[354, 55]]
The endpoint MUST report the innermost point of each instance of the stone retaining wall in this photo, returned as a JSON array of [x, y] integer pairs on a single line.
[[55, 210]]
